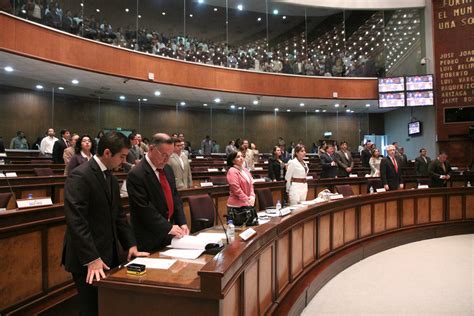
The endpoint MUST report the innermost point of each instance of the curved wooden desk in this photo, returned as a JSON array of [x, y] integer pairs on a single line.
[[290, 258]]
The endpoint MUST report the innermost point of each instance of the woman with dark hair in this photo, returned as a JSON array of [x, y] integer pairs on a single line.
[[99, 136], [84, 150], [374, 163], [241, 193], [296, 173], [276, 166]]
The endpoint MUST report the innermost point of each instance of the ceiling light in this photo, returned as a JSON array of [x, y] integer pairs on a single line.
[[98, 10], [284, 17], [191, 15], [8, 69], [139, 16], [275, 11], [75, 81], [183, 103], [277, 109], [324, 110], [163, 13], [205, 104], [336, 105], [60, 88], [288, 110], [255, 102], [240, 7], [157, 93], [367, 105], [127, 10], [215, 9], [144, 100], [240, 108], [232, 106], [200, 1], [122, 97], [217, 100], [301, 104], [259, 19], [317, 111], [348, 111], [82, 4], [39, 87]]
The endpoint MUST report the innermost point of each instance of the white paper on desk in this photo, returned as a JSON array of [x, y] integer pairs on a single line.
[[183, 253], [154, 263], [212, 236], [311, 202], [193, 242]]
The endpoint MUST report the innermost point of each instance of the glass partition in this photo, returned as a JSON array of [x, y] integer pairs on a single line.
[[261, 35]]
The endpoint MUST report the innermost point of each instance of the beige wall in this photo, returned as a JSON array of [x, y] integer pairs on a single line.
[[32, 112]]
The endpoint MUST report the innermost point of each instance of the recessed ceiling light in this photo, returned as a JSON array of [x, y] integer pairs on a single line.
[[301, 104], [277, 109], [163, 13], [284, 17], [139, 16], [348, 111], [191, 15], [232, 106], [157, 93], [183, 103], [288, 110], [336, 105], [98, 10], [8, 69], [60, 88], [317, 111], [240, 108], [200, 1], [275, 11], [205, 104], [324, 110], [255, 102], [144, 100], [75, 81], [82, 4], [39, 87], [217, 100], [367, 105], [127, 10], [215, 9], [122, 97], [259, 19], [240, 7], [23, 11]]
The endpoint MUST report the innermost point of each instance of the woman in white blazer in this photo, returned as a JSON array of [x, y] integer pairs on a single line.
[[295, 177]]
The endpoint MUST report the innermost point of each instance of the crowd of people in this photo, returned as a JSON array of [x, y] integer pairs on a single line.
[[301, 59]]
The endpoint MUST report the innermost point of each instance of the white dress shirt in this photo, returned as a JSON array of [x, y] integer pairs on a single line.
[[47, 143]]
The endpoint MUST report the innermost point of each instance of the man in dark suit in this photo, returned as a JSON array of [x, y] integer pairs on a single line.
[[391, 170], [439, 171], [366, 154], [403, 156], [96, 222], [328, 163], [421, 163], [156, 209], [60, 145], [344, 160]]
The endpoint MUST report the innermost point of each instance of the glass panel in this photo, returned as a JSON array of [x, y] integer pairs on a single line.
[[247, 33], [364, 33], [325, 36]]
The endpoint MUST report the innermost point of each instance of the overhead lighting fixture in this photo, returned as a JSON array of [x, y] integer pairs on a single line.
[[317, 111], [217, 100], [288, 110], [191, 15], [259, 19], [275, 11], [98, 10], [145, 99], [232, 106], [139, 16], [348, 111], [127, 10], [60, 88], [8, 69], [205, 104], [336, 105], [240, 7], [122, 97], [240, 108], [157, 93], [367, 105], [215, 9], [39, 87], [301, 104], [277, 109], [200, 1], [324, 110], [75, 81], [284, 17], [182, 103], [163, 13]]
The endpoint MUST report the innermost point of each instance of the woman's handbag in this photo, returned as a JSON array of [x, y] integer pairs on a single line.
[[245, 215]]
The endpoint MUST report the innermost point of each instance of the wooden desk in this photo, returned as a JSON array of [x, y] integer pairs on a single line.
[[283, 267]]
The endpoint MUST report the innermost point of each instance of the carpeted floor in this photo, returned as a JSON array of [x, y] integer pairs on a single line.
[[431, 277]]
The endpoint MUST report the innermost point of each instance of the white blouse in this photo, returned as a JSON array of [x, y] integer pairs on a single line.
[[295, 169]]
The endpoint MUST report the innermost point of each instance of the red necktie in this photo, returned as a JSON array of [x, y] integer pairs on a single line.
[[395, 164], [167, 191]]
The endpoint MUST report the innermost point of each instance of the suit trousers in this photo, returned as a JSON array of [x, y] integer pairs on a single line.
[[88, 297], [297, 192]]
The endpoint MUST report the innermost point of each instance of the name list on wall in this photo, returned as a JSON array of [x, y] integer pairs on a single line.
[[453, 30]]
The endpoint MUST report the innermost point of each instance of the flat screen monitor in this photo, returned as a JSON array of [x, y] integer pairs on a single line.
[[414, 128], [424, 82], [393, 84], [392, 100], [419, 98]]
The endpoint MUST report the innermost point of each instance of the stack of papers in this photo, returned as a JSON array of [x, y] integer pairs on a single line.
[[154, 263], [191, 247]]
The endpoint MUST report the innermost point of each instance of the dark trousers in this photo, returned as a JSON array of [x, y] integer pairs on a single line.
[[88, 298]]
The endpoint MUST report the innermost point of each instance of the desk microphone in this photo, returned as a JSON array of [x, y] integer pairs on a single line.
[[223, 227], [9, 185]]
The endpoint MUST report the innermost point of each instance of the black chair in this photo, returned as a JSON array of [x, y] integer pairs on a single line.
[[345, 190], [43, 172], [218, 180], [265, 198], [203, 212], [4, 199], [374, 183]]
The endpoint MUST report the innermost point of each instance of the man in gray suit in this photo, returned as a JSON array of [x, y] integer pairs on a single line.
[[180, 164], [344, 160]]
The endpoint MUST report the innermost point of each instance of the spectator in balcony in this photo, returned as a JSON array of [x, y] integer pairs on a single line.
[[309, 67], [206, 146], [84, 150], [276, 65], [328, 163], [338, 68], [35, 10], [374, 163], [295, 177], [287, 68], [421, 163], [19, 141], [231, 61], [276, 166], [69, 25]]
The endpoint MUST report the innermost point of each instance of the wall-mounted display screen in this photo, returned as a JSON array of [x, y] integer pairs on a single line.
[[419, 98], [459, 115], [414, 128], [393, 84], [392, 100], [424, 82]]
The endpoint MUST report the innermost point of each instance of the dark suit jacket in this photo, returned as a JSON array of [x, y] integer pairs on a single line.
[[95, 219], [421, 167], [328, 171], [148, 209], [365, 156], [343, 163], [389, 175], [58, 151], [274, 169], [435, 170], [75, 161]]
